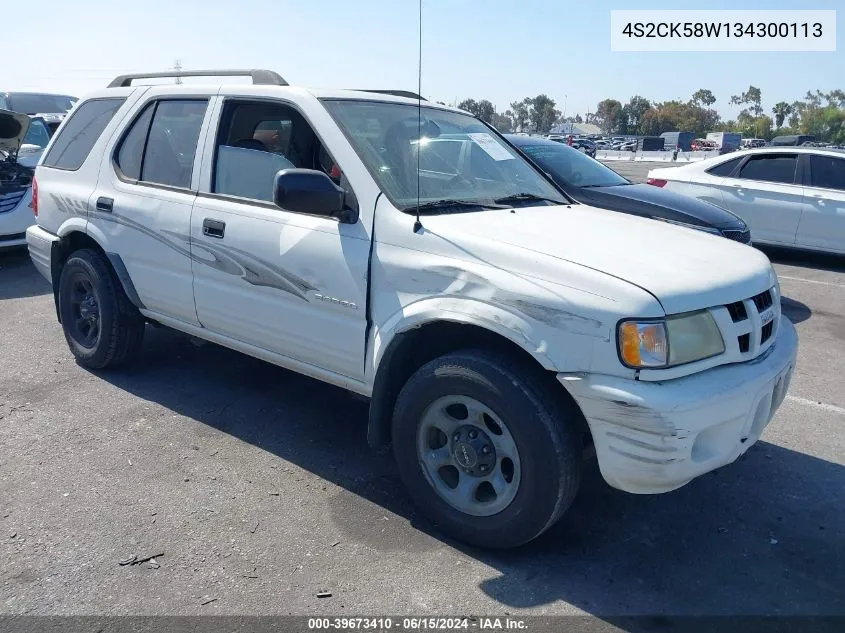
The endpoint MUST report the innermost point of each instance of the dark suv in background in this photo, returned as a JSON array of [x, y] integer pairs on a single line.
[[51, 108]]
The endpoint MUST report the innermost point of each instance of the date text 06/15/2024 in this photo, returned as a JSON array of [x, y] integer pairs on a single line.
[[416, 624]]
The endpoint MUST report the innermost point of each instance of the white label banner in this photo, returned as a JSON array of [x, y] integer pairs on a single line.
[[680, 31]]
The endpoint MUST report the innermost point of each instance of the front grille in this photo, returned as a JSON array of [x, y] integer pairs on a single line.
[[737, 311], [753, 323], [738, 236], [762, 301], [11, 199]]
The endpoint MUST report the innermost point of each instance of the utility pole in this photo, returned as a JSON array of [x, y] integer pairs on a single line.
[[177, 66]]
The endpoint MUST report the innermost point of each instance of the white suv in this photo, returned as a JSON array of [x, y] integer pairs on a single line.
[[500, 335]]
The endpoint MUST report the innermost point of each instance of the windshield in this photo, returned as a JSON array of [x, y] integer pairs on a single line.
[[570, 167], [37, 134], [34, 103], [459, 157]]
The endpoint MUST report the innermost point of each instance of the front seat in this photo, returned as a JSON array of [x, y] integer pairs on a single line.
[[251, 143]]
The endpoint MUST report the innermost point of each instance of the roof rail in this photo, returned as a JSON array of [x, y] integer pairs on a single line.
[[259, 77], [398, 93]]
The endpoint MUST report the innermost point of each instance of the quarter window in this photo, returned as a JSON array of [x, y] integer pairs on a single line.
[[827, 172], [723, 170], [80, 132], [770, 168]]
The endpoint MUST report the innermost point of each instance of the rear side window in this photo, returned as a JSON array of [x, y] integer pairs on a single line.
[[161, 144], [827, 172], [72, 146], [770, 168], [723, 170]]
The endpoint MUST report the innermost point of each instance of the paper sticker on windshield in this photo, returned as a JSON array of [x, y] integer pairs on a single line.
[[490, 145]]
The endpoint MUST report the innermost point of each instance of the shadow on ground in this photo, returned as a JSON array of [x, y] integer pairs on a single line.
[[764, 535], [805, 259], [18, 277], [795, 310]]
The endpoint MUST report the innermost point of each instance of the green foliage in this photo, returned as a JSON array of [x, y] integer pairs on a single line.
[[633, 112], [703, 98], [520, 114], [483, 109], [542, 113], [781, 110], [818, 113], [609, 116], [503, 122]]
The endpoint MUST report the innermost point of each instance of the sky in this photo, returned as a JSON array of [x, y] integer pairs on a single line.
[[484, 49]]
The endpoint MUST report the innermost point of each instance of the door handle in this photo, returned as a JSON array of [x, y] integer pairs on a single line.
[[213, 228], [105, 204]]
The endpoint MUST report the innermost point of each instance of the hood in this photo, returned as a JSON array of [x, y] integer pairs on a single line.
[[648, 200], [683, 268], [13, 128]]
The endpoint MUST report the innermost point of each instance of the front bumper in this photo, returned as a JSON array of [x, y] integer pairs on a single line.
[[653, 437]]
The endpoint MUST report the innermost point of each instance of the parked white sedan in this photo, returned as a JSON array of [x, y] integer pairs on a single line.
[[788, 196]]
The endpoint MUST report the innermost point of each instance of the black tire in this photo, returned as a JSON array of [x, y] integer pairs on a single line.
[[546, 428], [120, 331]]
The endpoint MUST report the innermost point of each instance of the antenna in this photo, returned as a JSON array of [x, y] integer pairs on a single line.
[[417, 224]]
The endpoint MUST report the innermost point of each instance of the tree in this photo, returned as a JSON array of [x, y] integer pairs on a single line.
[[678, 116], [542, 113], [836, 98], [795, 115], [750, 98], [633, 112], [578, 118], [503, 122], [519, 110], [703, 98], [754, 110], [609, 116], [781, 110], [483, 109]]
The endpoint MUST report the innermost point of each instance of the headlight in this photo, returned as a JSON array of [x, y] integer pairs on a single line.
[[705, 229], [675, 340]]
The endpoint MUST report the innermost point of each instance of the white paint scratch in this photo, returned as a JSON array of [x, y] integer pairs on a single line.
[[818, 405]]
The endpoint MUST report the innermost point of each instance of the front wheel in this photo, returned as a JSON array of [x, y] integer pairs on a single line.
[[101, 326], [486, 449]]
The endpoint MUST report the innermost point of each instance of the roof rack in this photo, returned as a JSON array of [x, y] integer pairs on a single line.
[[398, 93], [259, 77]]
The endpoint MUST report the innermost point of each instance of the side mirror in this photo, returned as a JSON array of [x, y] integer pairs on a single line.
[[311, 191]]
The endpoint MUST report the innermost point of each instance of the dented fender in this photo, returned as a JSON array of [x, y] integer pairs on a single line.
[[516, 327]]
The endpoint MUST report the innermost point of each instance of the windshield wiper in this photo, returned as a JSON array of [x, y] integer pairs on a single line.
[[528, 197], [449, 202]]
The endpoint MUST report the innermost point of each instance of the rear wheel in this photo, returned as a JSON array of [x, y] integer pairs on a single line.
[[487, 451], [101, 326]]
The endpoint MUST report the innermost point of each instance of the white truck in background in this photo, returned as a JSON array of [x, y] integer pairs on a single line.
[[725, 141]]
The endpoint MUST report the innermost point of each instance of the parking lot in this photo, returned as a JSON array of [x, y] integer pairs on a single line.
[[255, 491]]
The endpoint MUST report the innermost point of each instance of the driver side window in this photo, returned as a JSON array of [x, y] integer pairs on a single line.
[[256, 140]]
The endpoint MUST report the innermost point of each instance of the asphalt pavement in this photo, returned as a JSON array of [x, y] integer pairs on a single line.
[[255, 492]]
